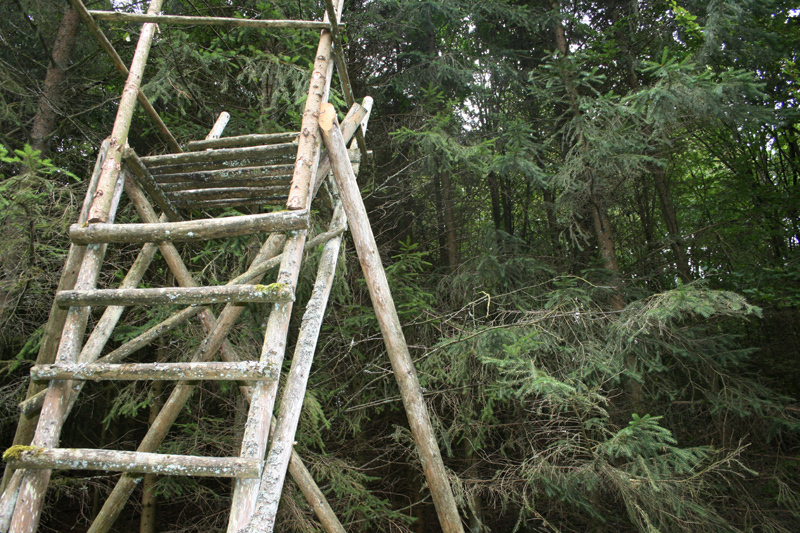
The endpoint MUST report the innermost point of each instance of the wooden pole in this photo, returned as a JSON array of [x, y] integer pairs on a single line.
[[239, 141], [55, 322], [218, 127], [106, 45], [33, 484], [148, 182], [119, 134], [136, 462], [243, 371], [116, 16], [191, 230], [389, 322], [269, 495], [309, 143]]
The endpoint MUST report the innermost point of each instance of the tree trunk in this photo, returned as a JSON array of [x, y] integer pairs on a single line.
[[441, 229], [608, 252], [494, 194], [671, 219], [52, 93], [449, 221]]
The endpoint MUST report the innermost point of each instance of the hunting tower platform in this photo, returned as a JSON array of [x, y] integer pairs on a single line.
[[195, 188]]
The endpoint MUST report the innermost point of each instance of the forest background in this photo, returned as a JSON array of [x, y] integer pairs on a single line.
[[589, 213]]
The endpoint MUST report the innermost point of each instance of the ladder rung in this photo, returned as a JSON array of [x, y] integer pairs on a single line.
[[277, 292], [194, 230], [134, 462], [242, 140], [250, 153], [217, 371], [116, 16]]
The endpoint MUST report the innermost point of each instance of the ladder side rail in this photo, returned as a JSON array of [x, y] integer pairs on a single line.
[[99, 211], [279, 457], [33, 485], [390, 326], [106, 45], [55, 322], [257, 427], [309, 144], [272, 479], [254, 443]]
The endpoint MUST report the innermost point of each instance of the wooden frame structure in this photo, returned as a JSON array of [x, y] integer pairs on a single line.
[[215, 172]]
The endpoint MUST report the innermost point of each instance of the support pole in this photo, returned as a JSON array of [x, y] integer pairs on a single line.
[[389, 322]]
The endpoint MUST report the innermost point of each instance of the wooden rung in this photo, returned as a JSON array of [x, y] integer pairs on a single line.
[[277, 292], [193, 230], [223, 193], [222, 154], [241, 371], [242, 140], [116, 16], [133, 462], [262, 175]]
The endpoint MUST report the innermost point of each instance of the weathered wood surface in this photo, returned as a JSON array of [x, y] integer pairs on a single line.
[[280, 451], [177, 295], [254, 139], [106, 45], [242, 371], [232, 164], [33, 484], [136, 462], [309, 144], [148, 183], [189, 230], [234, 202], [254, 441], [217, 331], [55, 322], [116, 16], [100, 210], [358, 115], [220, 154], [217, 128], [225, 193], [266, 174], [390, 326]]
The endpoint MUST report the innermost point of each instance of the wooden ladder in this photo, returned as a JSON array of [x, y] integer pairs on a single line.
[[214, 174]]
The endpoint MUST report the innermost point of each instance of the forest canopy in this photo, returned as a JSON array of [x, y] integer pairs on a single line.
[[589, 215]]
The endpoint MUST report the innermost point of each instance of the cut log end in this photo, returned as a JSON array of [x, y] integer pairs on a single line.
[[327, 116]]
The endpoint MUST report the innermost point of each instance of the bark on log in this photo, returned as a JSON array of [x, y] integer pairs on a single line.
[[101, 206], [268, 174], [136, 462], [309, 143], [116, 16], [244, 371], [218, 127], [277, 462], [227, 193], [389, 322], [239, 141], [220, 154], [189, 230], [177, 295]]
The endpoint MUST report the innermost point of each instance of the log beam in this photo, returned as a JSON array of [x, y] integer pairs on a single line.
[[396, 347], [243, 371], [134, 462]]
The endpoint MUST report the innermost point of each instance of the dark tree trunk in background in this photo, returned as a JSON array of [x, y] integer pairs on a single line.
[[449, 221], [44, 123]]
